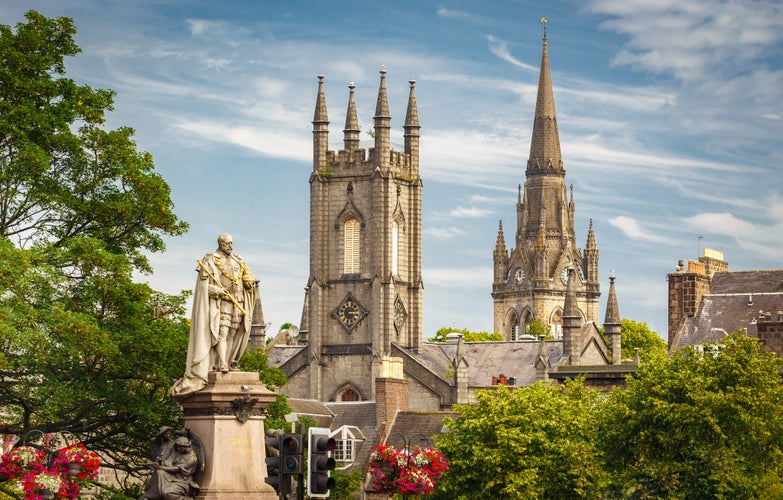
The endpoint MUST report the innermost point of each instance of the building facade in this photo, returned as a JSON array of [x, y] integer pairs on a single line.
[[530, 280]]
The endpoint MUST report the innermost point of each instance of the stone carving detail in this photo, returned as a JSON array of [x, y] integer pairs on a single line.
[[178, 455]]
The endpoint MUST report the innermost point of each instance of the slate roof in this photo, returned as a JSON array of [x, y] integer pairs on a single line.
[[490, 359], [282, 353], [311, 408], [747, 282], [734, 302], [721, 314], [362, 415], [417, 428]]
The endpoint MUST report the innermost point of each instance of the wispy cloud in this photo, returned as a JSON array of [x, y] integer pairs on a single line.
[[466, 277], [443, 233]]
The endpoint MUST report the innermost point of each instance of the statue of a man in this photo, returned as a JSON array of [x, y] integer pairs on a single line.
[[223, 301], [172, 474]]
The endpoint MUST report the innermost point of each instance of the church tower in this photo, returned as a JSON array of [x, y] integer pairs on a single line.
[[364, 292], [530, 280]]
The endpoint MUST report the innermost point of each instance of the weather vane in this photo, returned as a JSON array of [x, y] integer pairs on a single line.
[[543, 25]]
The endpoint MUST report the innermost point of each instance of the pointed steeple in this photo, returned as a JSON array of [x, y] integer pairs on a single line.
[[500, 244], [500, 256], [591, 257], [320, 128], [351, 131], [382, 123], [545, 143], [613, 323], [412, 126], [612, 311]]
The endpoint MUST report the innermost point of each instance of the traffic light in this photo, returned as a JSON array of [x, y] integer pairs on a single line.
[[275, 458], [319, 444], [293, 461]]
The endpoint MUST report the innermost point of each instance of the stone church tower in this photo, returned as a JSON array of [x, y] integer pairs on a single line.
[[364, 291], [530, 280]]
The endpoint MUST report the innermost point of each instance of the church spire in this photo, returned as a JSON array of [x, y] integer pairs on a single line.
[[545, 143], [351, 131]]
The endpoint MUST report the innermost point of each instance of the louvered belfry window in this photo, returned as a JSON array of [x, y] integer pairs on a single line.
[[352, 247]]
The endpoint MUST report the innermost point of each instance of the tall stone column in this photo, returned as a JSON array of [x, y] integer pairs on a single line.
[[228, 417]]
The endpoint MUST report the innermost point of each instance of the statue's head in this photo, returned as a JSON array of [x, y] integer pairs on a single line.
[[182, 444], [225, 243]]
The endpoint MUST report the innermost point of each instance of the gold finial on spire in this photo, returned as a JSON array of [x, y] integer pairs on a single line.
[[543, 26]]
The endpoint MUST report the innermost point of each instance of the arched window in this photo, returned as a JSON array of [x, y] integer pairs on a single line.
[[351, 257], [513, 327], [395, 249], [349, 395]]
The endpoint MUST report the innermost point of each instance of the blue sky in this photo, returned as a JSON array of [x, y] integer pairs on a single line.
[[670, 115]]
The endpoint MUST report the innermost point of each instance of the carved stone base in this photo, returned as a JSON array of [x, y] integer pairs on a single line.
[[228, 416]]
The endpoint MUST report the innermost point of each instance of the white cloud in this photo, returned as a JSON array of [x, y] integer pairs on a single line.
[[632, 229], [274, 143]]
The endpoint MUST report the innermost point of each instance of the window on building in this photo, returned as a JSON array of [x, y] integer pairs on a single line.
[[347, 439], [349, 395], [395, 256], [343, 450], [351, 256]]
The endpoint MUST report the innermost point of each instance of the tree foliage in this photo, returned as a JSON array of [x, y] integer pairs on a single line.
[[467, 335], [83, 347], [533, 442], [699, 425], [703, 423], [635, 335]]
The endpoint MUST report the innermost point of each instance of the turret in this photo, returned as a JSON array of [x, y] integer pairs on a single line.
[[572, 323], [320, 128]]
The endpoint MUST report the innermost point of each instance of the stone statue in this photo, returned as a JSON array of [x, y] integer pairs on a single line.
[[178, 456], [223, 301]]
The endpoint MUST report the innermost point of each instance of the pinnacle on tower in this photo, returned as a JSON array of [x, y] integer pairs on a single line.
[[320, 128], [612, 311], [500, 244], [382, 122], [351, 131], [412, 126], [613, 323]]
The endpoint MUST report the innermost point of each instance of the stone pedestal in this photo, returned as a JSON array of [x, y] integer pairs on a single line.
[[228, 417]]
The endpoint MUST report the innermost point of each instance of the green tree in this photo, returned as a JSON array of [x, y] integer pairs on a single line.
[[467, 335], [537, 442], [83, 347], [699, 424], [636, 334]]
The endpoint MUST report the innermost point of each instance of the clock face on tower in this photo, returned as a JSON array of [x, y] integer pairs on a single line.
[[564, 276], [399, 314], [520, 274], [349, 313]]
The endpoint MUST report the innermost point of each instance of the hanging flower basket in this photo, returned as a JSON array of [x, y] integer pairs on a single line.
[[397, 471], [42, 474]]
